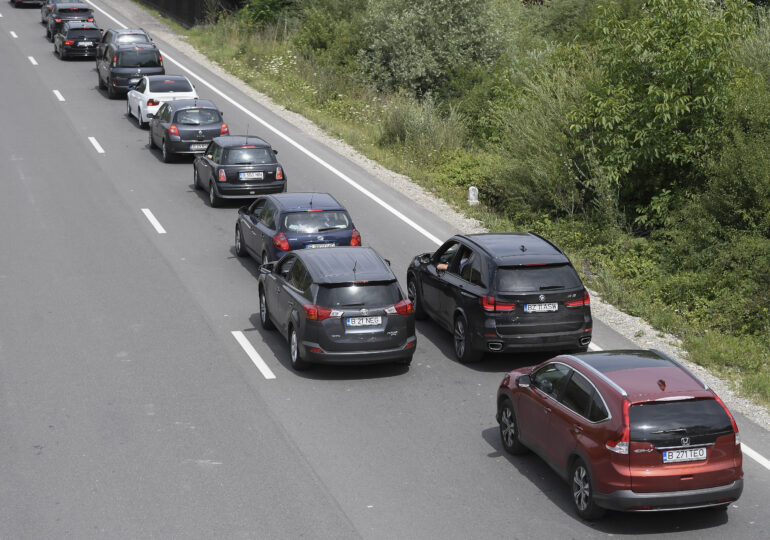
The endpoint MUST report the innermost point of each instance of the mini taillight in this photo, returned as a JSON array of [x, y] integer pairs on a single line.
[[224, 130], [355, 238], [115, 61], [732, 420], [152, 102], [69, 42], [281, 242], [404, 307], [278, 173], [160, 59], [173, 130], [90, 19], [585, 300], [319, 313], [222, 175], [620, 446], [490, 303]]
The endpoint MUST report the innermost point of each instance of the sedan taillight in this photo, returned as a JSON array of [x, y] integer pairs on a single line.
[[404, 307], [281, 242], [173, 130], [224, 130], [90, 19], [57, 20], [153, 102], [355, 238], [69, 42]]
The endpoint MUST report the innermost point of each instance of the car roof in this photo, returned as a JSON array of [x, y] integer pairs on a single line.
[[514, 249], [345, 265], [191, 103], [643, 375], [240, 140], [305, 201], [84, 25], [166, 78], [69, 5]]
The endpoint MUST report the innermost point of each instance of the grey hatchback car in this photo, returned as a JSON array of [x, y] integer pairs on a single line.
[[185, 126], [337, 305]]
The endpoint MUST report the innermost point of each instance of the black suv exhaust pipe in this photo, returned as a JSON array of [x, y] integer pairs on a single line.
[[495, 346], [585, 340]]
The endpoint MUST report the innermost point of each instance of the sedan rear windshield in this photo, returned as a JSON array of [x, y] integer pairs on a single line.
[[138, 59], [66, 12], [660, 421], [248, 156], [537, 278], [170, 85], [351, 295], [197, 117], [132, 38], [316, 222], [89, 34]]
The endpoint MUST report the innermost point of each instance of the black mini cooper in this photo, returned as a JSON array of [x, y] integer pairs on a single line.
[[502, 293]]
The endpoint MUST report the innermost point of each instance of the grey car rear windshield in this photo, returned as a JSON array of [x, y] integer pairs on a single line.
[[248, 156], [138, 59], [170, 85], [197, 117], [662, 420], [132, 38], [315, 222], [359, 295], [89, 34], [537, 278]]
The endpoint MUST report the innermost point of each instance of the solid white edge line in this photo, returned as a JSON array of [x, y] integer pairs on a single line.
[[153, 221], [252, 353], [96, 145], [32, 60], [756, 456], [13, 34], [594, 347], [58, 95], [297, 145]]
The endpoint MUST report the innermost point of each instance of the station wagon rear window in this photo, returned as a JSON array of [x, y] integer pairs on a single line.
[[89, 34], [376, 294], [170, 85], [315, 222], [138, 59], [132, 38], [248, 156], [661, 421], [536, 278], [197, 117]]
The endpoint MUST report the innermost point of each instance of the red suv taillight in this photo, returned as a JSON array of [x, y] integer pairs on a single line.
[[580, 302], [355, 238], [490, 303], [404, 307], [732, 420], [224, 130], [152, 102], [173, 130], [69, 42], [620, 446], [222, 175], [281, 242], [319, 313]]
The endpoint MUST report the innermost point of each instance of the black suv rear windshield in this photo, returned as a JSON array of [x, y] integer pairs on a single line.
[[66, 12], [359, 295], [170, 85], [537, 278], [247, 156], [663, 421], [88, 33], [138, 59], [132, 38], [316, 222], [197, 117]]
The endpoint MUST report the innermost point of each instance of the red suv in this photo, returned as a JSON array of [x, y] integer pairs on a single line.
[[629, 430]]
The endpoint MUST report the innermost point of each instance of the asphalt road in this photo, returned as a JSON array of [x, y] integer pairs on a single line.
[[128, 408]]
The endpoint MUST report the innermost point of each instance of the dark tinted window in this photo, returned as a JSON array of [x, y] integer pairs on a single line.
[[577, 394], [315, 222], [197, 117], [446, 253], [90, 34], [551, 378], [73, 11], [248, 155], [598, 411], [663, 420], [268, 215], [537, 278], [285, 265], [359, 295], [132, 38], [138, 59], [300, 278], [170, 85]]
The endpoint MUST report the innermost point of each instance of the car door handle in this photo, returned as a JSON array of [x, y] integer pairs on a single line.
[[467, 294], [577, 429], [548, 410]]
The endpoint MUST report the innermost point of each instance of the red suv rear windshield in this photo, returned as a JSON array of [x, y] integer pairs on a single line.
[[668, 421], [536, 278]]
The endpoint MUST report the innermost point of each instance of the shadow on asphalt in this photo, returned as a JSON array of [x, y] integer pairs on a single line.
[[542, 477]]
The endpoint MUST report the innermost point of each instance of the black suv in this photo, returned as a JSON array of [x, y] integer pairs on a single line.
[[77, 38], [123, 36], [340, 305], [122, 65], [502, 293], [66, 12]]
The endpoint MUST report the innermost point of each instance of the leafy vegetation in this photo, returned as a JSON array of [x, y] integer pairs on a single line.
[[633, 133]]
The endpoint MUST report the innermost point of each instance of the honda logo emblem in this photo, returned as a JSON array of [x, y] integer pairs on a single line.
[[685, 441]]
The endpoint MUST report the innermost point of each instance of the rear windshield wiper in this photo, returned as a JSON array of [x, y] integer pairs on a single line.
[[550, 287], [329, 229], [674, 430]]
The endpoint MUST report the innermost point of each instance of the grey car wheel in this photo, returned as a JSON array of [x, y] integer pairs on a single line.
[[240, 245], [296, 351], [462, 342], [196, 178], [414, 296], [164, 151], [582, 492], [264, 312], [152, 142], [214, 199]]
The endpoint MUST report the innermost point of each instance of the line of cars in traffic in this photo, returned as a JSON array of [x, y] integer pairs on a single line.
[[627, 430]]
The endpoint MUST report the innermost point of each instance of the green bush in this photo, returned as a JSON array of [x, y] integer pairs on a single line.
[[257, 13]]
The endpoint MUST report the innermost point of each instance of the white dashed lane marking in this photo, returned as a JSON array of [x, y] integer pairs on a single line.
[[96, 145], [13, 34], [252, 353], [58, 95], [32, 60], [153, 221]]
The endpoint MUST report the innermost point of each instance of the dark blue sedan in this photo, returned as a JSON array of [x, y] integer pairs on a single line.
[[278, 223]]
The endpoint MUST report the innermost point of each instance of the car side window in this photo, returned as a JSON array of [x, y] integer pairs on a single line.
[[446, 253], [460, 265], [268, 215], [551, 378], [107, 37], [140, 87], [216, 154], [298, 275], [257, 208], [284, 267], [166, 114], [577, 394], [598, 411]]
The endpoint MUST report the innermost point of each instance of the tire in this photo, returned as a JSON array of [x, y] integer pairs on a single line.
[[111, 91], [509, 430], [413, 293], [196, 178], [295, 352], [582, 489], [240, 245], [167, 156], [214, 200], [463, 351], [152, 142], [264, 312], [142, 123], [101, 82]]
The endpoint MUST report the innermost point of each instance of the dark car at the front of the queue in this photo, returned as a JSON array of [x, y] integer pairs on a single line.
[[67, 12], [338, 305], [238, 167], [185, 126]]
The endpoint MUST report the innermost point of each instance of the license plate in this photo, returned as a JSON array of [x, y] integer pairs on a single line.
[[684, 454], [363, 321], [133, 81], [312, 246], [198, 146], [259, 175], [540, 308], [85, 43]]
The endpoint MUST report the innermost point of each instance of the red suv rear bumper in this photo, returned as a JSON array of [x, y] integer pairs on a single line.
[[627, 500]]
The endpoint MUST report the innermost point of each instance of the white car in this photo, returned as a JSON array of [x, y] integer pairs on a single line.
[[152, 91]]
